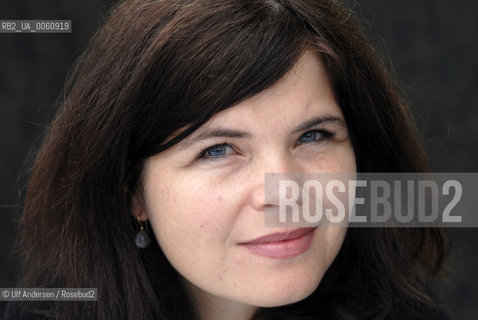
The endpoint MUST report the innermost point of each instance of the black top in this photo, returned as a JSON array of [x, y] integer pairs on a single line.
[[14, 312]]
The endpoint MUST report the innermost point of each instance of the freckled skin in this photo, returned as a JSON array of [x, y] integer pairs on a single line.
[[209, 206]]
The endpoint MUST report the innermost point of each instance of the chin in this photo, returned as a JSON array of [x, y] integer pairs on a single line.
[[284, 295]]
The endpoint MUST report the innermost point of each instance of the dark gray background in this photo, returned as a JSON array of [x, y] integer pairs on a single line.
[[432, 45]]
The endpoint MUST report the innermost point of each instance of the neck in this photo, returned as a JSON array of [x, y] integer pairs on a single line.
[[212, 307]]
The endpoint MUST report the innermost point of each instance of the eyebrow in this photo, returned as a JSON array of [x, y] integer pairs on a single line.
[[319, 120], [215, 133], [231, 133]]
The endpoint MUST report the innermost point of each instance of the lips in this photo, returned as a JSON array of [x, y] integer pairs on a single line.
[[282, 245]]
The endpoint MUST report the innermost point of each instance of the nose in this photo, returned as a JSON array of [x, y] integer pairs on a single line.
[[267, 174]]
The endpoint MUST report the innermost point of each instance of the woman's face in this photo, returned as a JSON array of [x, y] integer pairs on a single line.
[[205, 196]]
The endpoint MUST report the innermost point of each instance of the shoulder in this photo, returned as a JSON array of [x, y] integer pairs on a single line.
[[14, 311], [439, 311], [426, 314]]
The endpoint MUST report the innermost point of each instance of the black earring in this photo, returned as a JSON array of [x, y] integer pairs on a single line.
[[142, 239]]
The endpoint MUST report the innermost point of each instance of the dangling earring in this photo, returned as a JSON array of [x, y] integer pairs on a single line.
[[142, 239]]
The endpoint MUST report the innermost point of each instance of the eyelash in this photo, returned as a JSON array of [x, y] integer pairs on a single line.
[[324, 133], [202, 154]]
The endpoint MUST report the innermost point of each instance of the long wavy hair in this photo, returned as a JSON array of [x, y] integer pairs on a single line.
[[157, 66]]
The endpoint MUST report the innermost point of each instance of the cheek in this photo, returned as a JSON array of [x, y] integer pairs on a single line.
[[342, 159], [183, 211], [191, 218], [339, 157], [330, 240]]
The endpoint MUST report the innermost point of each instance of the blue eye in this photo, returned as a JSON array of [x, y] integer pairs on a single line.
[[314, 136], [217, 151]]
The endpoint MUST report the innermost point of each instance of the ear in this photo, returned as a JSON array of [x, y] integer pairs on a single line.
[[138, 208]]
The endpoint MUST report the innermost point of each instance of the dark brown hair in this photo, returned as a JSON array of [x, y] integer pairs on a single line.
[[158, 66]]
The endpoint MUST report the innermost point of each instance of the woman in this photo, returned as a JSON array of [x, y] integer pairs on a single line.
[[173, 115]]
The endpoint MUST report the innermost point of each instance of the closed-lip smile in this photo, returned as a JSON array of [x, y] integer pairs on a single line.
[[281, 245]]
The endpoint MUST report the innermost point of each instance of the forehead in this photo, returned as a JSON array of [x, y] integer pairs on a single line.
[[300, 95], [303, 90]]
